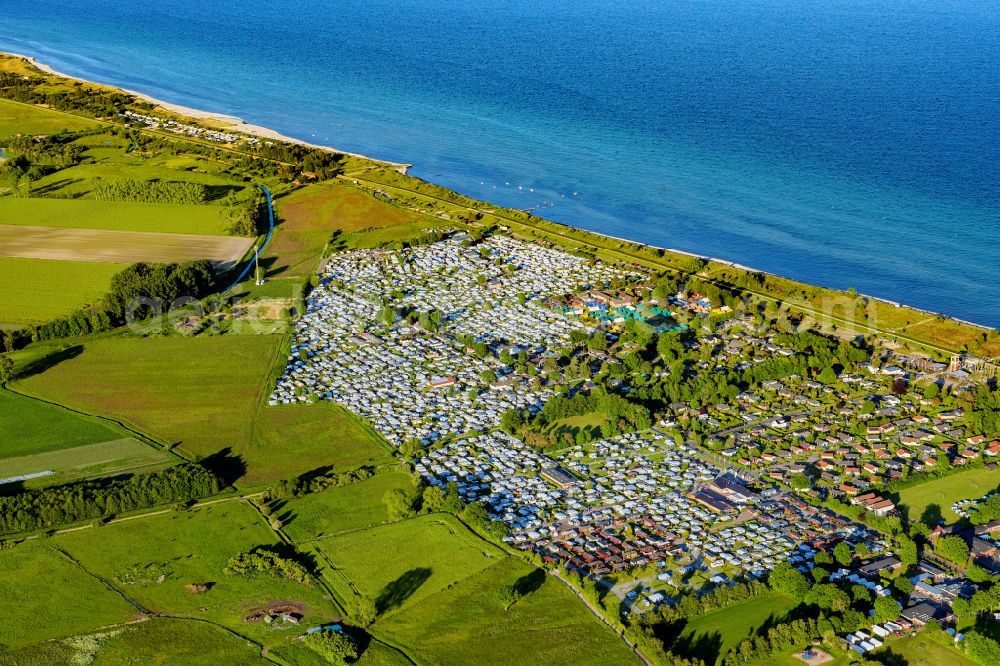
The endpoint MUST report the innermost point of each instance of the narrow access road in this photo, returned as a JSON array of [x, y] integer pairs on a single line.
[[600, 616], [263, 246]]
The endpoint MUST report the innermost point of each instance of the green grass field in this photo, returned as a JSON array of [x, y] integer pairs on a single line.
[[352, 507], [731, 625], [37, 290], [152, 559], [204, 394], [309, 217], [944, 492], [28, 426], [116, 215], [195, 391], [45, 595], [78, 181], [156, 641], [400, 564], [18, 118], [465, 623], [288, 440], [920, 651], [102, 459], [376, 654]]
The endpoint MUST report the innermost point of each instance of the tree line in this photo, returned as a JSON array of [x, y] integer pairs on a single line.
[[136, 292], [149, 191], [323, 163], [248, 218], [88, 101], [84, 500]]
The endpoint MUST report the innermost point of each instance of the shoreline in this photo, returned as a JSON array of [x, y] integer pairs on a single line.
[[234, 123], [237, 124]]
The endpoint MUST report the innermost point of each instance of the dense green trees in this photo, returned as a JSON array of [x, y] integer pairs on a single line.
[[365, 612], [133, 288], [508, 595], [983, 410], [620, 415], [692, 604], [435, 499], [779, 637], [953, 548], [300, 486], [982, 648], [785, 578], [399, 504], [90, 101], [149, 191], [248, 218], [333, 646], [886, 610], [828, 597], [37, 156], [137, 292], [986, 511], [6, 369], [842, 553], [36, 509], [475, 515], [268, 562], [906, 550], [322, 163]]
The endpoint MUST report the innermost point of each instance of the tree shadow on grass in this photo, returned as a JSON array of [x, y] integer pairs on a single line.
[[216, 192], [668, 632], [530, 582], [49, 361], [704, 646], [398, 591], [887, 657], [932, 515], [55, 186], [12, 488], [225, 465]]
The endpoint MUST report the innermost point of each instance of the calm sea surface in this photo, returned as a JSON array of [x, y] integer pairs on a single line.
[[849, 143]]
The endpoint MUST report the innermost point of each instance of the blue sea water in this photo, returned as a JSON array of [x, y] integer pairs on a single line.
[[848, 143]]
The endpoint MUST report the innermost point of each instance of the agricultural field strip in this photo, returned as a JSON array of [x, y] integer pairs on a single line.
[[39, 290], [113, 246], [115, 215], [20, 118], [125, 454]]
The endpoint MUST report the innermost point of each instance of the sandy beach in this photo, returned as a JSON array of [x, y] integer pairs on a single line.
[[230, 122]]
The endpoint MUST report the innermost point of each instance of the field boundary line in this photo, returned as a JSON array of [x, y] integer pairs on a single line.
[[128, 429], [131, 602]]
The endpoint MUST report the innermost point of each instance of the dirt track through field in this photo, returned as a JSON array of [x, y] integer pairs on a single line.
[[119, 247]]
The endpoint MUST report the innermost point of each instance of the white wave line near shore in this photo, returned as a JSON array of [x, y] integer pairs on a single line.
[[232, 122]]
